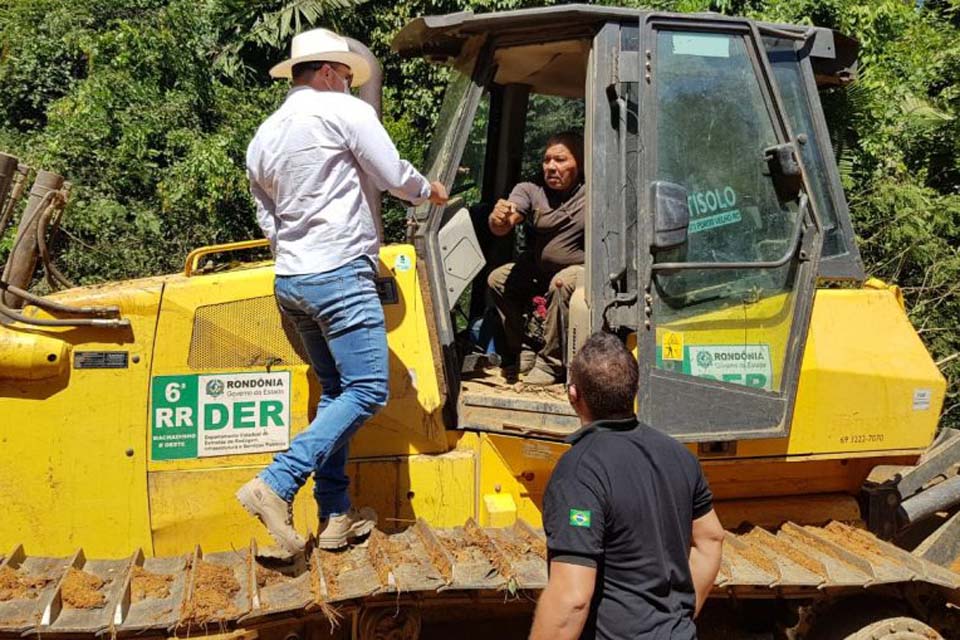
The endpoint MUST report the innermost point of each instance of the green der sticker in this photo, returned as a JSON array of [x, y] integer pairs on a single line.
[[174, 428], [579, 518], [199, 416]]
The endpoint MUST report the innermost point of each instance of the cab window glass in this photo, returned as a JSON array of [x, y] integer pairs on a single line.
[[788, 74], [713, 124], [468, 181]]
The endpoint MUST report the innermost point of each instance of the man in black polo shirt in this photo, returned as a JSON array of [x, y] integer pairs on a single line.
[[634, 544]]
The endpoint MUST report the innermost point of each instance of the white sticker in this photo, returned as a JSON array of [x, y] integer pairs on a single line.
[[748, 364], [537, 451], [243, 413], [701, 44], [402, 263], [921, 399]]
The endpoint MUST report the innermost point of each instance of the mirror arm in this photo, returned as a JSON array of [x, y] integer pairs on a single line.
[[773, 264]]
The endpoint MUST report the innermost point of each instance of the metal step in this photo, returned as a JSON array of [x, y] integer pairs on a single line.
[[75, 597]]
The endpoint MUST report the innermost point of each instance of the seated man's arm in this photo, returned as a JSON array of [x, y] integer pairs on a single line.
[[510, 212], [565, 604]]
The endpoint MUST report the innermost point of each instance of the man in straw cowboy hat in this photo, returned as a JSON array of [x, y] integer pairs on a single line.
[[311, 165]]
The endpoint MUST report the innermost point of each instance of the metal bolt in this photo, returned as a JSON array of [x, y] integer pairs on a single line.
[[136, 359], [129, 453], [646, 324], [497, 488], [802, 138], [649, 54], [648, 298], [892, 500]]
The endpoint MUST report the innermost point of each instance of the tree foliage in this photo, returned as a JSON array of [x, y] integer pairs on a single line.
[[147, 107]]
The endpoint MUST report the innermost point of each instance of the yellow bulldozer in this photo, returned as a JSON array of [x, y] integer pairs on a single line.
[[718, 245]]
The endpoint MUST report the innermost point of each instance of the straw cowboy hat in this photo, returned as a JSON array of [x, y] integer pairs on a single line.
[[323, 44]]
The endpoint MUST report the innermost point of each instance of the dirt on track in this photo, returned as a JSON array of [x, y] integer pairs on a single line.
[[15, 585], [81, 590], [214, 589], [144, 585], [267, 577]]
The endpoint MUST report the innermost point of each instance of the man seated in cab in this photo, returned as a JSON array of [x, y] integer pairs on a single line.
[[553, 207]]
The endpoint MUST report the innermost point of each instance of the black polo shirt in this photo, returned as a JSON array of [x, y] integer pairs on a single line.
[[623, 499]]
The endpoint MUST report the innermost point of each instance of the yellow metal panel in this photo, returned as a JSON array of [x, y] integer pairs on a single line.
[[766, 322], [437, 488], [441, 488], [519, 468], [499, 510], [191, 506], [410, 424], [867, 382], [73, 447], [198, 507], [31, 356]]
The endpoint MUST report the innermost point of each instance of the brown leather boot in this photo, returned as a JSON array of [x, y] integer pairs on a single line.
[[274, 512], [346, 527]]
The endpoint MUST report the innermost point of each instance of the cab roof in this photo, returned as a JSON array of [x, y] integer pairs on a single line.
[[441, 38]]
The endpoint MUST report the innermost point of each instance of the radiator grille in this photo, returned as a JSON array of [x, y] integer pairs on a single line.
[[250, 333]]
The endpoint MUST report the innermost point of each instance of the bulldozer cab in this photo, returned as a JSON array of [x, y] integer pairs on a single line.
[[713, 203]]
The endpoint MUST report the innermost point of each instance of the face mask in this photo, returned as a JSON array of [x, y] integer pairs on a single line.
[[346, 85]]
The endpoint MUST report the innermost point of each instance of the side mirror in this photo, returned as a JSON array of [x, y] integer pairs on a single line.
[[784, 169], [671, 215]]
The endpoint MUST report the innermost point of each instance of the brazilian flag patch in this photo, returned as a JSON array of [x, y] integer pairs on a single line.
[[579, 518]]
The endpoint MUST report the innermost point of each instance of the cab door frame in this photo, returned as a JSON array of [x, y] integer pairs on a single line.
[[688, 407]]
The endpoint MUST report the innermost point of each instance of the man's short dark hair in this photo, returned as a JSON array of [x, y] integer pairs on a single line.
[[302, 69], [606, 376]]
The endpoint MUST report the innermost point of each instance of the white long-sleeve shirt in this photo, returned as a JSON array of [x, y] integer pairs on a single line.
[[311, 166]]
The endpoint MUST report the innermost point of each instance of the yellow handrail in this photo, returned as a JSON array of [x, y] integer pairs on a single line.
[[193, 260]]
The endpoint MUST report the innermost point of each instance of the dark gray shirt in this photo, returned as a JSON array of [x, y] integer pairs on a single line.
[[557, 221]]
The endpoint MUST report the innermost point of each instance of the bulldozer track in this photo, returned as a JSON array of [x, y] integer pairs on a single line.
[[76, 597]]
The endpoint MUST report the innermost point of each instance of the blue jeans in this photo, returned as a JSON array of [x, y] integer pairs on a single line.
[[340, 320]]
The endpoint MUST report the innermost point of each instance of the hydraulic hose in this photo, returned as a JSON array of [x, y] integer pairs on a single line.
[[117, 323], [56, 307], [22, 261], [53, 274]]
